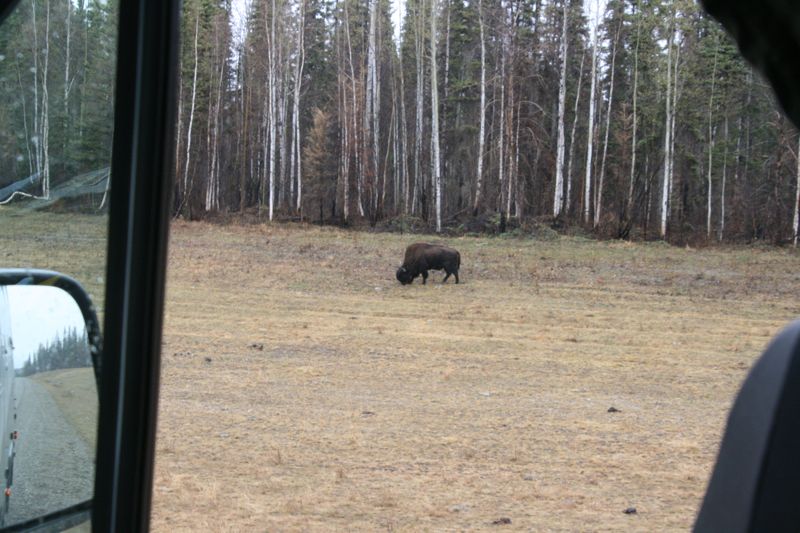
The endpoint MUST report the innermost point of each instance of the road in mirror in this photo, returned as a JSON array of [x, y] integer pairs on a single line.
[[48, 403]]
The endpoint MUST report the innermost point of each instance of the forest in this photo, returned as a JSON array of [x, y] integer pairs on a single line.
[[633, 119], [68, 350]]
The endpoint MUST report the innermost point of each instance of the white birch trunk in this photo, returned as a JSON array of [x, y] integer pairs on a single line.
[[515, 167], [675, 94], [558, 200], [272, 110], [587, 186], [345, 140], [36, 139], [629, 208], [501, 130], [482, 127], [366, 125], [396, 172], [216, 159], [283, 105], [665, 190], [371, 118], [356, 138], [292, 154], [191, 119], [437, 176], [510, 149], [179, 127], [46, 107], [419, 110], [598, 208], [212, 188], [243, 136], [341, 87], [67, 81], [376, 106], [568, 198], [298, 81]]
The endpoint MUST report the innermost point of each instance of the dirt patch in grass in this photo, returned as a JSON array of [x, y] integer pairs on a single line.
[[75, 393], [303, 388]]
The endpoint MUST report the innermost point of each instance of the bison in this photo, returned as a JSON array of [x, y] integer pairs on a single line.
[[421, 257]]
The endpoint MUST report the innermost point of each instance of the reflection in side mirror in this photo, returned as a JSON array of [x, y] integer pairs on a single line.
[[48, 398]]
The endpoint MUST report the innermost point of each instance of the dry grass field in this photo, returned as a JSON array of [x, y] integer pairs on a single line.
[[303, 389]]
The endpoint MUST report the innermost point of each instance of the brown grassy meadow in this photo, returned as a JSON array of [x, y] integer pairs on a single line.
[[304, 389]]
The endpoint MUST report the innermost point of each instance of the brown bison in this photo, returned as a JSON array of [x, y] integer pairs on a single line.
[[421, 257]]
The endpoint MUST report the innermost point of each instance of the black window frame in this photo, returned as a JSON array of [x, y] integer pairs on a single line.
[[143, 152]]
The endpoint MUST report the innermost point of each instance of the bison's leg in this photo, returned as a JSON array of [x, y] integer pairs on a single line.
[[424, 277], [456, 275], [447, 276]]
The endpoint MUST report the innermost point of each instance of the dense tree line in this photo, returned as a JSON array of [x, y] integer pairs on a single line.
[[57, 61], [68, 350], [640, 122]]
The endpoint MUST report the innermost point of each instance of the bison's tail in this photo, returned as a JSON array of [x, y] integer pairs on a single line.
[[458, 259]]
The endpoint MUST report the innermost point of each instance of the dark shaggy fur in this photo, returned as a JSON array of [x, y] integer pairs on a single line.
[[421, 257]]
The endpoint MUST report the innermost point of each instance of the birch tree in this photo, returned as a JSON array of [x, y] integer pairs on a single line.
[[272, 105], [482, 113], [600, 184], [45, 140], [437, 177], [298, 80], [635, 119], [403, 136], [244, 114], [572, 142], [558, 201], [357, 139], [668, 118], [372, 113], [590, 129], [212, 200], [419, 56], [187, 164]]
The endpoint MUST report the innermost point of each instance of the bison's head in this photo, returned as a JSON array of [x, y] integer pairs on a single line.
[[404, 276]]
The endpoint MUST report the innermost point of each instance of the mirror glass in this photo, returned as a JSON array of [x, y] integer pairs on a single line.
[[48, 403]]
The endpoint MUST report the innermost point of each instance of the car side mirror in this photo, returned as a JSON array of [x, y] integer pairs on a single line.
[[756, 480], [50, 350]]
